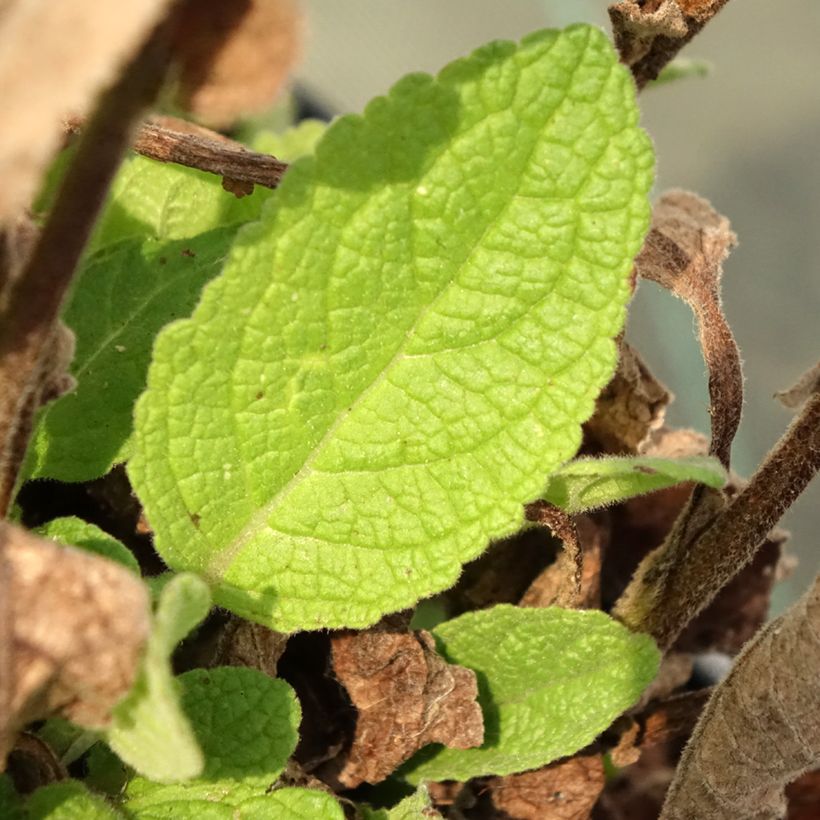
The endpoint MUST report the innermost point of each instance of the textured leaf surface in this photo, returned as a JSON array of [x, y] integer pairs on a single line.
[[415, 807], [293, 804], [550, 680], [124, 294], [75, 532], [289, 145], [590, 483], [149, 730], [246, 724], [401, 351], [69, 800]]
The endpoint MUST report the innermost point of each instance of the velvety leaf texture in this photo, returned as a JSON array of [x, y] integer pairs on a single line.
[[399, 353], [78, 533], [550, 680], [149, 730], [246, 724], [590, 483], [69, 800]]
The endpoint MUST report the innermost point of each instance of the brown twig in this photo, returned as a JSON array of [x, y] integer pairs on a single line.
[[27, 326], [650, 33], [676, 581], [206, 151]]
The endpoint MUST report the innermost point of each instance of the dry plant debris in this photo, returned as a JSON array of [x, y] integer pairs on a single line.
[[236, 58], [406, 696], [63, 74], [760, 730], [72, 629]]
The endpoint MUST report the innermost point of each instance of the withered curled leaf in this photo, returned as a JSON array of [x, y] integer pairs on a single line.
[[72, 629], [235, 57], [406, 696], [761, 728]]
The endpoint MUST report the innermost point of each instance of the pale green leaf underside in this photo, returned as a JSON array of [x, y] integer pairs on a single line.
[[550, 680], [149, 730], [591, 483], [246, 724], [75, 532], [68, 800], [401, 351]]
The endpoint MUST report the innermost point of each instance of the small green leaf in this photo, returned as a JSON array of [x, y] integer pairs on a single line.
[[590, 483], [550, 680], [415, 807], [682, 69], [167, 202], [74, 532], [68, 800], [401, 350], [149, 731], [246, 724]]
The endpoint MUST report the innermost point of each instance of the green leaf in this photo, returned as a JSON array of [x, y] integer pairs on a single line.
[[400, 351], [590, 483], [289, 145], [682, 69], [10, 806], [124, 295], [149, 731], [74, 532], [167, 202], [246, 724], [550, 680], [68, 800], [293, 804], [415, 807]]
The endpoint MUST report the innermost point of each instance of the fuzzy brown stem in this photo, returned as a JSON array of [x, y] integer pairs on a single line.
[[676, 581]]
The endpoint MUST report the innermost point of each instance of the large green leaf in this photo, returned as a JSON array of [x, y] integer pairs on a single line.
[[590, 483], [149, 730], [246, 724], [550, 680], [399, 353]]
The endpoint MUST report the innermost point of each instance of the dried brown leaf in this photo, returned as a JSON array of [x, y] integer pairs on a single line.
[[649, 33], [710, 543], [565, 790], [243, 643], [235, 57], [804, 797], [683, 252], [32, 763], [807, 384], [72, 630], [406, 696], [54, 60], [551, 586], [629, 408], [761, 728]]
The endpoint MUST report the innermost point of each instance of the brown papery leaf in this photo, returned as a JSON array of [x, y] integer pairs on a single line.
[[629, 408], [235, 57], [406, 696], [54, 60], [72, 629], [807, 384], [649, 33], [761, 728], [683, 252], [566, 790]]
